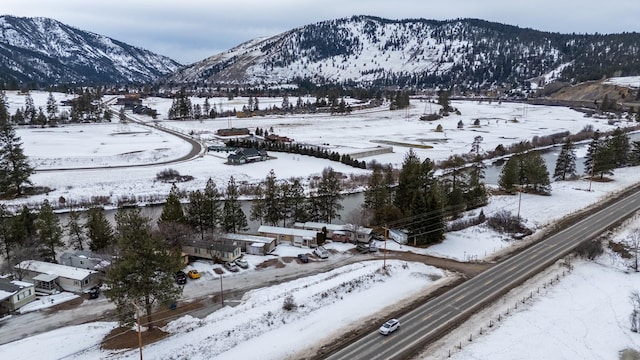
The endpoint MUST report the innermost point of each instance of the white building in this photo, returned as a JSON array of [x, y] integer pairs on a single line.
[[49, 277]]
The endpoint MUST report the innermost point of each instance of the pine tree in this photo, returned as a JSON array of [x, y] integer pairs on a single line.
[[99, 230], [477, 194], [590, 156], [75, 230], [298, 201], [29, 109], [455, 181], [536, 173], [271, 200], [329, 191], [142, 273], [233, 217], [52, 108], [408, 183], [5, 232], [172, 210], [509, 175], [619, 147], [376, 196], [566, 161], [172, 222], [49, 231], [428, 226], [14, 166], [204, 213]]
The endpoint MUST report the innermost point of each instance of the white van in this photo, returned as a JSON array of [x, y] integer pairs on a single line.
[[321, 252]]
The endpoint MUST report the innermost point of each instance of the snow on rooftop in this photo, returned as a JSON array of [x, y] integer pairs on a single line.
[[68, 272]]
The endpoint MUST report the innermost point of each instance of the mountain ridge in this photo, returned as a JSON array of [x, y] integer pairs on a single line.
[[372, 51], [44, 50]]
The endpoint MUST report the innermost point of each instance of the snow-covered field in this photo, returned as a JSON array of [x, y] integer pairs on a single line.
[[584, 315]]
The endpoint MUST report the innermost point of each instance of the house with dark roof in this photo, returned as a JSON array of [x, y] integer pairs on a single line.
[[15, 294], [247, 155]]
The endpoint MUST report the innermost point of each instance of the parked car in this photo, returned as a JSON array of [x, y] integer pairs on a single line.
[[321, 252], [373, 247], [303, 257], [362, 248], [389, 327], [231, 266], [94, 292], [194, 274], [242, 263], [181, 278]]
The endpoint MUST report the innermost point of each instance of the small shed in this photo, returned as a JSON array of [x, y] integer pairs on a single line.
[[68, 278], [256, 249]]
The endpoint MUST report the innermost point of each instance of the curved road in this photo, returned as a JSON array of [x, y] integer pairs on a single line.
[[197, 149], [427, 322]]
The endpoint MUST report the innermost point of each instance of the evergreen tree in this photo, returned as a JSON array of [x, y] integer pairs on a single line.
[[509, 175], [619, 147], [6, 240], [536, 173], [52, 108], [29, 109], [566, 162], [172, 210], [329, 191], [122, 115], [99, 230], [14, 166], [233, 217], [376, 196], [408, 183], [271, 200], [172, 222], [590, 156], [634, 156], [258, 204], [75, 230], [49, 231], [477, 194], [297, 209], [427, 226], [143, 273], [455, 183], [195, 214], [213, 212]]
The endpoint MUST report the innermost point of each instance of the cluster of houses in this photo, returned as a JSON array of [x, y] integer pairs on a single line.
[[229, 247], [80, 271]]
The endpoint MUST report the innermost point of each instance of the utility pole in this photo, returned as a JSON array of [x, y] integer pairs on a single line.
[[221, 294], [386, 233], [139, 332]]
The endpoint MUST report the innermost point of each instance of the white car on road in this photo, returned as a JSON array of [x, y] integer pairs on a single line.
[[389, 327]]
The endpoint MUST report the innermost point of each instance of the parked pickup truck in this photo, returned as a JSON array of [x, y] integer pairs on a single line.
[[321, 252]]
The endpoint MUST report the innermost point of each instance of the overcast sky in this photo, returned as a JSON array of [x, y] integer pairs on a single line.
[[191, 30]]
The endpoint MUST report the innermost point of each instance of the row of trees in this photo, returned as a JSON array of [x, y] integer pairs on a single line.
[[285, 201], [36, 235], [421, 201], [297, 148], [603, 155]]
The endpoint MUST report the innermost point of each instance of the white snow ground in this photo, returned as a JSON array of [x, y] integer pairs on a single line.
[[584, 315]]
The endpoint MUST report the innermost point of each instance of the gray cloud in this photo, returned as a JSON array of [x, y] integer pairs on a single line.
[[191, 30]]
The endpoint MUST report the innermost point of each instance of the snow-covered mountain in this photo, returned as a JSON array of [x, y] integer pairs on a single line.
[[467, 53], [46, 51]]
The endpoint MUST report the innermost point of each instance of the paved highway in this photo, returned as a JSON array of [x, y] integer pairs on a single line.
[[425, 323]]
